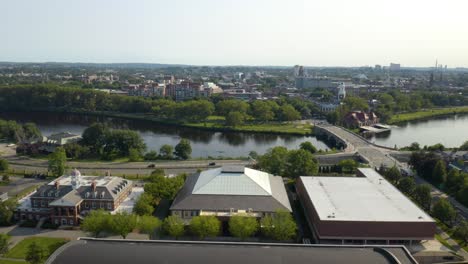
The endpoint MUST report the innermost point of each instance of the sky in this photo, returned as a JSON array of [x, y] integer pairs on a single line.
[[237, 32]]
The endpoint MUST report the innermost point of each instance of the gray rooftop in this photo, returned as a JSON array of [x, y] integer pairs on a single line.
[[120, 252], [225, 188]]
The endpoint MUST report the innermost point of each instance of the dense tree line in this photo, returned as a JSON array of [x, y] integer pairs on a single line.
[[393, 102], [56, 98], [13, 132]]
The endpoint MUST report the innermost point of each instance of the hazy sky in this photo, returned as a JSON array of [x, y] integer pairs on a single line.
[[247, 32]]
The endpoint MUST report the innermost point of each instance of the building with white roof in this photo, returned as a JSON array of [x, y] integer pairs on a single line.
[[365, 208], [228, 191]]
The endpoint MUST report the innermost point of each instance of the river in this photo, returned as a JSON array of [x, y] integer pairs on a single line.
[[204, 143], [451, 131]]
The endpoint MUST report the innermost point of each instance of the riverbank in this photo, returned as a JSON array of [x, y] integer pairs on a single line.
[[212, 123], [427, 114]]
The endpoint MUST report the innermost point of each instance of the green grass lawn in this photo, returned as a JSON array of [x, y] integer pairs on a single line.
[[2, 261], [397, 118], [51, 244], [270, 127]]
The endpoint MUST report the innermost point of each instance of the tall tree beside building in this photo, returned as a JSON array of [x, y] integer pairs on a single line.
[[174, 226], [407, 185], [205, 226], [444, 211], [461, 232], [7, 209], [242, 226], [57, 162], [144, 205], [300, 163], [288, 113], [96, 222], [280, 226], [123, 223], [274, 160], [439, 175], [393, 175], [422, 196], [148, 224], [235, 118]]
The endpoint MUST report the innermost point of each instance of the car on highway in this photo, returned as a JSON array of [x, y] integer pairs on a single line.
[[212, 164], [152, 166]]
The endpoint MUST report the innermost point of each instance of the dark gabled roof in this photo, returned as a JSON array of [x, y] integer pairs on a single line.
[[187, 200]]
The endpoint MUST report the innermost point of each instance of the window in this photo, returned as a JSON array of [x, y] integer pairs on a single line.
[[186, 214], [109, 206], [94, 205], [42, 203], [86, 205], [71, 221], [194, 213], [35, 203]]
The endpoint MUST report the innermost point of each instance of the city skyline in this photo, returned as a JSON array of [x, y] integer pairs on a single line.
[[250, 33]]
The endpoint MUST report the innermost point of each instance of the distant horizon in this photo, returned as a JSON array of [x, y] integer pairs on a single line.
[[224, 65], [326, 33]]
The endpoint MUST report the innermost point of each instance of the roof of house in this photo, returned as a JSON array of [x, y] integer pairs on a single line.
[[118, 251], [232, 187], [369, 198], [66, 194]]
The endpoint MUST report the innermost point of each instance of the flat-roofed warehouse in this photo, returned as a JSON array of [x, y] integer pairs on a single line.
[[366, 208], [180, 252]]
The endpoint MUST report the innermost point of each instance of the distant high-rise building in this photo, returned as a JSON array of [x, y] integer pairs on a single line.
[[378, 67], [394, 67], [341, 91]]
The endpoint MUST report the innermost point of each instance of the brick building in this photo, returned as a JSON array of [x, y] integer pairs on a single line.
[[67, 199]]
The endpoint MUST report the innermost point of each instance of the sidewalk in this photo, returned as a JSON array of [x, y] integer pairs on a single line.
[[457, 248]]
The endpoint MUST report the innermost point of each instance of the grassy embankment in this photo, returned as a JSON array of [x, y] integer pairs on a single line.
[[404, 117], [214, 123], [20, 250]]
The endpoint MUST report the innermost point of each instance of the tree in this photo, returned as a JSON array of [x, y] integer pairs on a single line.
[[306, 145], [280, 226], [134, 155], [174, 226], [454, 181], [166, 151], [242, 226], [57, 162], [300, 163], [36, 253], [461, 232], [348, 166], [143, 206], [152, 155], [262, 111], [288, 113], [96, 222], [4, 243], [205, 226], [3, 165], [393, 175], [6, 178], [274, 160], [407, 185], [422, 196], [95, 136], [439, 174], [464, 146], [161, 187], [226, 106], [148, 224], [444, 211], [7, 209], [123, 223], [183, 150], [235, 118]]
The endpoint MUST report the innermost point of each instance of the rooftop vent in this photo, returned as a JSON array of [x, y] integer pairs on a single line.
[[233, 169]]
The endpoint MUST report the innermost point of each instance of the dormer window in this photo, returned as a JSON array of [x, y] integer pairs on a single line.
[[95, 194], [43, 194], [102, 194], [87, 195]]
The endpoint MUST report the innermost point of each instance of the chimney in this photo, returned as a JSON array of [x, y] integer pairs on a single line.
[[57, 184], [93, 186]]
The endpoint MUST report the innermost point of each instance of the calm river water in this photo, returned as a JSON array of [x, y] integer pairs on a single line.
[[451, 131], [204, 143]]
